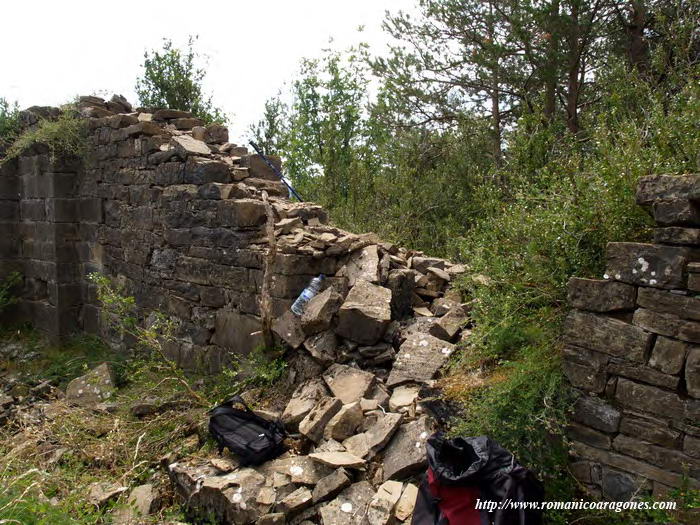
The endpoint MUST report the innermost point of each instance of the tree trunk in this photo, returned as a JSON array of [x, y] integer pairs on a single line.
[[637, 46]]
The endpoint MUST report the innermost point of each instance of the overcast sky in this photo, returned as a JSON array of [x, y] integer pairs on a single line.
[[52, 51]]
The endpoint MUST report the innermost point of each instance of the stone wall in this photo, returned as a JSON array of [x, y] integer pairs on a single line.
[[632, 352], [173, 211]]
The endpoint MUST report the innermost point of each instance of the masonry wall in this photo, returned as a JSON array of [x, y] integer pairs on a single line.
[[632, 352]]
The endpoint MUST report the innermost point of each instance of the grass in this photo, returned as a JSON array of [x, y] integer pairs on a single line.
[[105, 446], [65, 137]]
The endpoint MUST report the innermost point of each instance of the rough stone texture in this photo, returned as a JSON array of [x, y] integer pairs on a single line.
[[365, 314], [314, 423], [350, 507], [338, 459], [405, 454], [407, 502], [345, 422], [447, 327], [347, 383], [95, 387], [362, 265], [647, 264], [330, 486], [600, 295], [319, 312], [419, 359], [303, 400], [631, 351]]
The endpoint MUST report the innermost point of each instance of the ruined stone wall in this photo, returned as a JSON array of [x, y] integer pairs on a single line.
[[173, 211], [632, 351]]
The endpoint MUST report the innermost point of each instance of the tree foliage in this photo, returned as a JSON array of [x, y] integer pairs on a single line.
[[173, 79]]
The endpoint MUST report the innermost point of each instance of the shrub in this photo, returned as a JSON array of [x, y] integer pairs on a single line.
[[65, 137], [7, 286], [9, 123]]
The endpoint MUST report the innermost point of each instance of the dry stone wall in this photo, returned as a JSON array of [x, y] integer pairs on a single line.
[[632, 351], [173, 211]]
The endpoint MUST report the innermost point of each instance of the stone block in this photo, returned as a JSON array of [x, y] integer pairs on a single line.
[[643, 374], [288, 328], [668, 355], [587, 435], [667, 324], [663, 301], [203, 171], [653, 188], [676, 212], [419, 358], [647, 264], [596, 413], [649, 399], [29, 210], [259, 169], [677, 235], [319, 312], [362, 264], [242, 213], [692, 372], [600, 295], [90, 210], [314, 423], [671, 460], [237, 332], [365, 314], [347, 383], [405, 455], [9, 186], [607, 335], [650, 430], [449, 325]]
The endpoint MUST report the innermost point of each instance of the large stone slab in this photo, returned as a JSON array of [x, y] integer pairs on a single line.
[[331, 485], [668, 355], [230, 498], [186, 145], [338, 459], [600, 295], [347, 383], [237, 332], [345, 422], [350, 507], [666, 187], [647, 264], [669, 303], [323, 347], [365, 314], [607, 335], [649, 399], [419, 358], [667, 324], [302, 469], [405, 455]]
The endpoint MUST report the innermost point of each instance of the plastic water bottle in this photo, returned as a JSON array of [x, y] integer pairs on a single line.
[[305, 296]]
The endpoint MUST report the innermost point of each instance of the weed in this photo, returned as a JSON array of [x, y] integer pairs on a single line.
[[65, 137]]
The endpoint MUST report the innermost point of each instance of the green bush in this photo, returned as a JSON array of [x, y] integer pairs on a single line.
[[7, 286], [65, 137], [9, 123]]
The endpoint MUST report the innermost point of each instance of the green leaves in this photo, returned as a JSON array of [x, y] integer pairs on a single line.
[[172, 79]]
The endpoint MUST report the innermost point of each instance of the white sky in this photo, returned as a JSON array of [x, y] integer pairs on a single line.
[[52, 50]]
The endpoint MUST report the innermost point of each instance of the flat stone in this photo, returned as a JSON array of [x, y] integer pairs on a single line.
[[362, 265], [338, 459], [314, 423], [677, 235], [381, 507], [644, 374], [666, 302], [649, 399], [447, 327], [653, 188], [650, 430], [358, 445], [347, 383], [93, 388], [596, 413], [186, 145], [143, 500], [583, 434], [692, 372], [330, 486], [319, 312], [405, 455], [365, 314], [302, 469], [647, 264], [667, 324], [403, 396], [439, 273], [303, 400], [275, 518], [606, 335], [407, 502], [345, 422], [297, 501], [423, 263], [350, 507], [101, 493], [288, 328], [323, 347], [600, 295], [419, 359], [668, 355]]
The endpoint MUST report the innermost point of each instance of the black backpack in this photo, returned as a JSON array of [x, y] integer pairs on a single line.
[[252, 438]]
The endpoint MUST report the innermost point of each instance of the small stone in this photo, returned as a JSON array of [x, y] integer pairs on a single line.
[[347, 383], [403, 396], [407, 502], [93, 388], [296, 501], [101, 493], [313, 425], [331, 485], [405, 455], [345, 422], [439, 273], [447, 327], [266, 496], [303, 400], [186, 145], [323, 347], [221, 464], [338, 459]]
